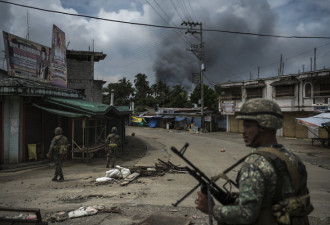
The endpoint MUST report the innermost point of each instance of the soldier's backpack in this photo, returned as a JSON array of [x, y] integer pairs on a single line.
[[61, 148], [293, 209]]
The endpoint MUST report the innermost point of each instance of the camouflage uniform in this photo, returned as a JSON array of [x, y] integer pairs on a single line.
[[257, 178], [112, 143], [58, 141]]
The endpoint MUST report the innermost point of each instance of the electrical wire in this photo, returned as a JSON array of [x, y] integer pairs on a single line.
[[169, 27]]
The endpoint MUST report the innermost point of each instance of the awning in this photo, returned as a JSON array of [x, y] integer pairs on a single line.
[[60, 112], [86, 107], [285, 82], [179, 118], [254, 85], [314, 121]]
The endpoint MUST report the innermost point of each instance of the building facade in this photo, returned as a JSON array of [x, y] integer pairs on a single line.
[[80, 70], [31, 110], [299, 95]]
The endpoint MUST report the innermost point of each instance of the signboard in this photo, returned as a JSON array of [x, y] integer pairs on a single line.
[[227, 107], [58, 65], [207, 118], [196, 78], [26, 59], [320, 109]]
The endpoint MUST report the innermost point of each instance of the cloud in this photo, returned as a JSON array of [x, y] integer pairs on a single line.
[[162, 54]]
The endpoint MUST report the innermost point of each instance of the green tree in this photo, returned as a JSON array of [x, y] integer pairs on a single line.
[[142, 90], [123, 92], [160, 91], [178, 98], [210, 96]]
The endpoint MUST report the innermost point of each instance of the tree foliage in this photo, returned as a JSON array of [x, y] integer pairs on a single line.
[[142, 89], [158, 95], [210, 97], [179, 98], [160, 92], [123, 92]]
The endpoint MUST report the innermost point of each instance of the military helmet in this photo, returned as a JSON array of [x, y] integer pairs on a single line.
[[58, 131], [265, 112], [114, 130]]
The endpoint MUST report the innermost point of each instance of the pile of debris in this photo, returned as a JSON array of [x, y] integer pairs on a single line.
[[127, 175]]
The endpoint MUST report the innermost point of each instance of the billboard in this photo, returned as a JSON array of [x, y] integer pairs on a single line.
[[58, 66], [227, 107], [26, 59]]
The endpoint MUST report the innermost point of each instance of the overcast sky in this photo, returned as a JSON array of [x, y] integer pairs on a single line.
[[162, 54]]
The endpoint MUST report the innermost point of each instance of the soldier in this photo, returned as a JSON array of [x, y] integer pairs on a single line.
[[272, 181], [112, 143], [58, 150]]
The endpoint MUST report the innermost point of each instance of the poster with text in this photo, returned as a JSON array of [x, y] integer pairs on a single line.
[[227, 107], [58, 66], [26, 59]]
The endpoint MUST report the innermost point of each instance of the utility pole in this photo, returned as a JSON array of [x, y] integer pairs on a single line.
[[28, 28], [314, 59], [198, 52], [280, 70]]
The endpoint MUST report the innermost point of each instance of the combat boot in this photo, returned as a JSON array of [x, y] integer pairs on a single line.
[[61, 179], [54, 178]]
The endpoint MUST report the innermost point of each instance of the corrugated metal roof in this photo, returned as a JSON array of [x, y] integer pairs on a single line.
[[79, 104], [91, 108], [61, 112]]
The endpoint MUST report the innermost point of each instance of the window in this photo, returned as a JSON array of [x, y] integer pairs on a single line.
[[234, 93], [254, 92], [308, 90], [284, 91], [325, 89]]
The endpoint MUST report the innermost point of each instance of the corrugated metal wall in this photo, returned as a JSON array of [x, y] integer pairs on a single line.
[[290, 126], [235, 125]]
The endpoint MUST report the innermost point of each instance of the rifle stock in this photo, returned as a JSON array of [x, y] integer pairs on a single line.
[[222, 196]]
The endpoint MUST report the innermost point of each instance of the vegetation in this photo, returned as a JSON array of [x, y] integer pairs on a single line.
[[157, 95]]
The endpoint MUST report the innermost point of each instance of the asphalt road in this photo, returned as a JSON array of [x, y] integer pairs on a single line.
[[212, 152]]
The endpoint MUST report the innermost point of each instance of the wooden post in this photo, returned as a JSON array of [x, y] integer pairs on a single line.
[[95, 132], [83, 137]]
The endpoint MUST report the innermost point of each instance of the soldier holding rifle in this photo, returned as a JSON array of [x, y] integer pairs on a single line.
[[272, 181]]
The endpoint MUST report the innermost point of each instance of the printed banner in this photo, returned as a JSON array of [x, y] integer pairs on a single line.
[[227, 107], [26, 59], [58, 66]]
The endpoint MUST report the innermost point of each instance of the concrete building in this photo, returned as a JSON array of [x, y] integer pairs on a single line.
[[298, 95], [80, 71]]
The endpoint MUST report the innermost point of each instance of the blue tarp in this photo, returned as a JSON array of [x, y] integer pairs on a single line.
[[197, 121], [178, 118], [153, 122]]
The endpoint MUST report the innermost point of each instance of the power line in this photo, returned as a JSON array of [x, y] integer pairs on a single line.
[[168, 27]]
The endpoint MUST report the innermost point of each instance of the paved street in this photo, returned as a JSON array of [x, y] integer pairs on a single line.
[[32, 188]]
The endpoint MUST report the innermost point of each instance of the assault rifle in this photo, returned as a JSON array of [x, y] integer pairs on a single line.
[[224, 196]]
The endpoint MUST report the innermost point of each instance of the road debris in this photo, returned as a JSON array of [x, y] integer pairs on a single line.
[[82, 211], [130, 178], [59, 217], [169, 167]]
